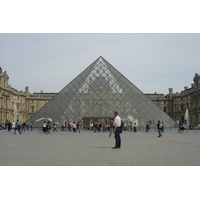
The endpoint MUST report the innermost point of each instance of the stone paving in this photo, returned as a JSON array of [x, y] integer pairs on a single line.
[[95, 149]]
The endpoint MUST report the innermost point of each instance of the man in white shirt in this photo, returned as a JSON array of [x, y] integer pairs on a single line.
[[74, 127], [44, 126], [117, 130]]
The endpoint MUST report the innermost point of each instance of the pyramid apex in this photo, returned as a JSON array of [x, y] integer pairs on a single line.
[[101, 58]]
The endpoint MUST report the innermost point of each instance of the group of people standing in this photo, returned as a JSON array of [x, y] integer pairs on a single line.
[[18, 126], [75, 127], [46, 127], [98, 127]]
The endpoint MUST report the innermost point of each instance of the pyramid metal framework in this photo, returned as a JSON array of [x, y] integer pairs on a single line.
[[96, 93]]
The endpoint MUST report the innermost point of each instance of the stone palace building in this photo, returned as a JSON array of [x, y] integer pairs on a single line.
[[174, 104]]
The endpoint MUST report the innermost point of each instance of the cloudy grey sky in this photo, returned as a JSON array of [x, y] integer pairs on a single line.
[[48, 62]]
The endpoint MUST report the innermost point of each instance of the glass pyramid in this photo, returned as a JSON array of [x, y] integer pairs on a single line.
[[96, 93]]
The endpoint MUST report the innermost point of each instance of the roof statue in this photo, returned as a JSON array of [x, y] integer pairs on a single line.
[[96, 93]]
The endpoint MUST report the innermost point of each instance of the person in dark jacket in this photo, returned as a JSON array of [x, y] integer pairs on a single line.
[[159, 127]]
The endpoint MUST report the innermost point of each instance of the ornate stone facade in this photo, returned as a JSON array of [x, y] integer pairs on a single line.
[[26, 103], [174, 104]]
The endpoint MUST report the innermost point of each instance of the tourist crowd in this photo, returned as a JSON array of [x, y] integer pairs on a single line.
[[22, 126]]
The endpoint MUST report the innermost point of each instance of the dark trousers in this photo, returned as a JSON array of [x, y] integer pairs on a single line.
[[17, 128], [117, 138], [23, 128]]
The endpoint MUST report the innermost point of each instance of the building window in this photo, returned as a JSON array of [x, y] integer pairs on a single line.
[[174, 108], [182, 119], [33, 109], [182, 107]]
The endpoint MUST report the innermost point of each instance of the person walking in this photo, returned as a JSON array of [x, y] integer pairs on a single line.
[[135, 127], [147, 127], [17, 127], [13, 125], [27, 127], [159, 127], [31, 126], [111, 127], [99, 127], [95, 127], [48, 127], [23, 126], [117, 130], [78, 127], [9, 126], [62, 126], [44, 126], [54, 127], [74, 127]]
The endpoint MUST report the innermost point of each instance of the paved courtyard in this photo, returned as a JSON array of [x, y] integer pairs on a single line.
[[95, 149]]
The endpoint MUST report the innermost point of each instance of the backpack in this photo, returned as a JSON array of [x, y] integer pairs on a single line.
[[122, 126]]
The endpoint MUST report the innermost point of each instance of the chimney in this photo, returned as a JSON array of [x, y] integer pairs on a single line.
[[170, 92], [186, 87]]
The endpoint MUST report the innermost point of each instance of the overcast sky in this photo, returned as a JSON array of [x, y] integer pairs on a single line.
[[48, 62]]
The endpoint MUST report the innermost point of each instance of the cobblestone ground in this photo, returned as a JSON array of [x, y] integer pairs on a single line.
[[95, 149]]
